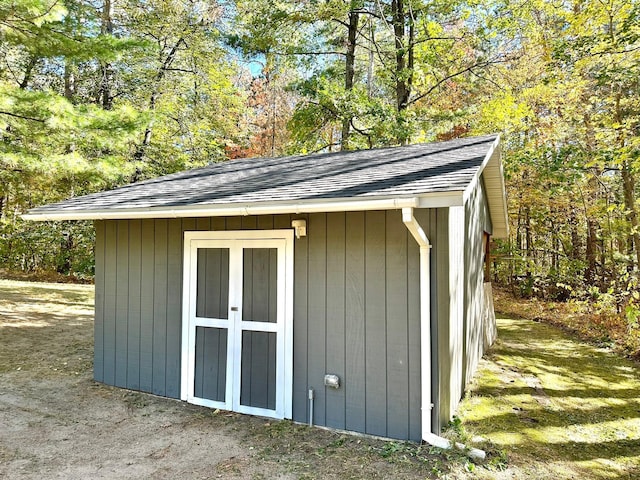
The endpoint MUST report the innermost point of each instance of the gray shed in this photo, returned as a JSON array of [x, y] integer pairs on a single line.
[[344, 288]]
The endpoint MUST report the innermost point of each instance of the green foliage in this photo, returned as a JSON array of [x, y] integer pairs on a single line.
[[431, 51], [92, 98], [62, 247], [455, 430], [570, 111]]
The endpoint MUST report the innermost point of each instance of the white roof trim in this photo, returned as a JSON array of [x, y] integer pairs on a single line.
[[493, 173], [429, 200]]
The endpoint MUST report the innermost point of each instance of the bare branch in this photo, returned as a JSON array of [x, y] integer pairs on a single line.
[[362, 132], [428, 39], [617, 52], [42, 15], [337, 20], [468, 69], [487, 79], [183, 70], [332, 144], [23, 117], [364, 11], [301, 53]]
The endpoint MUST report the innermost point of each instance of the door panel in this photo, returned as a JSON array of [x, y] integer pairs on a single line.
[[212, 297], [258, 375], [259, 285], [210, 377]]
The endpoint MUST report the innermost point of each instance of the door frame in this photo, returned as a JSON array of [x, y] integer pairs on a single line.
[[284, 353]]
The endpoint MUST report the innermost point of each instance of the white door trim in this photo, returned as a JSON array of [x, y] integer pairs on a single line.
[[235, 241]]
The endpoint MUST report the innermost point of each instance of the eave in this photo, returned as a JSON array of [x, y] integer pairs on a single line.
[[429, 200], [491, 171]]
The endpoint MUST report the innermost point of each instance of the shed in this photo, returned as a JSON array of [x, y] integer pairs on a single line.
[[347, 289]]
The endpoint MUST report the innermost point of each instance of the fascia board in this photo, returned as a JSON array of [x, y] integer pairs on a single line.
[[429, 200], [492, 169]]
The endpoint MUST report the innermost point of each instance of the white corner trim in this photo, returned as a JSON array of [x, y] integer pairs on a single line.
[[487, 158], [496, 191]]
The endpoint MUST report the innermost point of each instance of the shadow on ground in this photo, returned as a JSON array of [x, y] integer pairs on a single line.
[[558, 408]]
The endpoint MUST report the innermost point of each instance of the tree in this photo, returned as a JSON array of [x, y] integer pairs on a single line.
[[81, 86], [570, 108]]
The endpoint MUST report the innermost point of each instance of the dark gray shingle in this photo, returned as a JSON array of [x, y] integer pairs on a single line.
[[380, 173]]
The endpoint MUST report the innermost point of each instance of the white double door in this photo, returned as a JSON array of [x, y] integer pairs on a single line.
[[237, 310]]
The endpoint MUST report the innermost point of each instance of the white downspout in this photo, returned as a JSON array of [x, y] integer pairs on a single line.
[[425, 316], [425, 335]]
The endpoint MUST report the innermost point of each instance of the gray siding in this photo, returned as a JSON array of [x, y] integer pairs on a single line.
[[174, 307], [134, 282], [356, 317], [356, 312], [477, 222], [460, 329], [447, 314], [100, 288], [456, 301]]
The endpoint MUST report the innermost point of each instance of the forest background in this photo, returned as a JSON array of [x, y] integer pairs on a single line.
[[100, 93]]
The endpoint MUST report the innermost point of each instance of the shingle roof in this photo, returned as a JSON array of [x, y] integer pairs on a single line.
[[379, 173]]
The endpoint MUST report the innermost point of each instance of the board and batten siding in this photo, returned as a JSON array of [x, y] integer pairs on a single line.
[[447, 314], [477, 223], [463, 310], [356, 312]]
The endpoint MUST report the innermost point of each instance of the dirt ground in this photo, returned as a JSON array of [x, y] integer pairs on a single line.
[[543, 405], [56, 422]]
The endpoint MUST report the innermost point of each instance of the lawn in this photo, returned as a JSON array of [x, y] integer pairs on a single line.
[[543, 405], [557, 407]]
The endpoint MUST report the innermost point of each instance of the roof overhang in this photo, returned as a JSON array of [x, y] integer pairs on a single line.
[[492, 173], [430, 200]]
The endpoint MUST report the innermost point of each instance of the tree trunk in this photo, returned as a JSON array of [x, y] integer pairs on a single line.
[[350, 61], [576, 243], [274, 114], [591, 246], [28, 71], [404, 65], [402, 93], [69, 81], [555, 247], [629, 188], [527, 233], [371, 64], [105, 94], [591, 251], [153, 100], [66, 248]]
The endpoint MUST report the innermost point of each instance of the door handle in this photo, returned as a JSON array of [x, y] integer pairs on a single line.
[[234, 309]]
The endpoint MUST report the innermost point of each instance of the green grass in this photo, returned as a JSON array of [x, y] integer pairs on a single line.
[[556, 407]]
